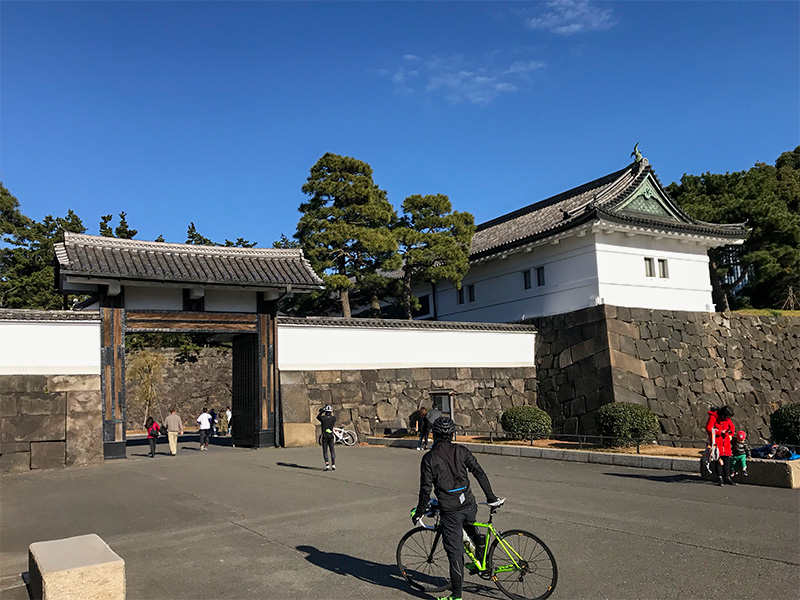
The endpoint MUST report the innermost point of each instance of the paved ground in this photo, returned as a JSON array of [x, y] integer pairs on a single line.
[[237, 523]]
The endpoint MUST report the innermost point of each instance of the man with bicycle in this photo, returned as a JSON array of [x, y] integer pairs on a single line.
[[446, 469]]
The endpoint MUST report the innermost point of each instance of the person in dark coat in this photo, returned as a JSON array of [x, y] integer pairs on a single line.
[[327, 420]]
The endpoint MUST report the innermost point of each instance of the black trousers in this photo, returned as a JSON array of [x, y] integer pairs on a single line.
[[152, 441], [204, 435], [723, 466], [328, 442], [452, 523]]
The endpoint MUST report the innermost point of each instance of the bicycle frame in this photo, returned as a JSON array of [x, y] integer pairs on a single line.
[[513, 555]]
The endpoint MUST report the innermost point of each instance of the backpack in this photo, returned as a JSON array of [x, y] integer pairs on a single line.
[[154, 431]]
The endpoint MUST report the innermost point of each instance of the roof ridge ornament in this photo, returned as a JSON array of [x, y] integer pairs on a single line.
[[640, 161]]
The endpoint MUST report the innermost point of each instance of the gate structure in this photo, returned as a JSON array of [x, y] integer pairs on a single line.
[[157, 287]]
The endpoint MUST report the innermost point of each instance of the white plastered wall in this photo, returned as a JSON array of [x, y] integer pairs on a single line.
[[319, 348], [623, 281], [49, 347], [571, 283]]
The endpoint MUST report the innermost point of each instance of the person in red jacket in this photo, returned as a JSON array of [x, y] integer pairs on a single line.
[[721, 432]]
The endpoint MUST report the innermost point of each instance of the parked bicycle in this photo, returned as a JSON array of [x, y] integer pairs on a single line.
[[347, 437], [518, 562]]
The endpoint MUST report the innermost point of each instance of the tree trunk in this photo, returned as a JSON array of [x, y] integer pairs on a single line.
[[344, 297], [407, 296]]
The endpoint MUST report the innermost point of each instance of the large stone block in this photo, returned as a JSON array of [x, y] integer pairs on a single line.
[[73, 383], [42, 404], [329, 376], [33, 428], [296, 435], [15, 384], [15, 462], [48, 455], [295, 403], [8, 405], [84, 401], [84, 438], [77, 568], [628, 363]]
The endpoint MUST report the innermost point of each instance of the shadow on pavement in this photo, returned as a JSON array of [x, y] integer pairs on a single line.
[[679, 478], [379, 574], [296, 466], [365, 570]]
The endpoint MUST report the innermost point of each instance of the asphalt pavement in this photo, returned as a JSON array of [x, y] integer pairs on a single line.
[[237, 523]]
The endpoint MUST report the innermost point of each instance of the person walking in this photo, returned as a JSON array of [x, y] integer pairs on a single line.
[[229, 416], [423, 428], [326, 418], [445, 469], [174, 426], [205, 428], [153, 431]]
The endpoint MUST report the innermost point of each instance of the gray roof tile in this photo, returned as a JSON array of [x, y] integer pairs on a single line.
[[105, 257], [593, 200]]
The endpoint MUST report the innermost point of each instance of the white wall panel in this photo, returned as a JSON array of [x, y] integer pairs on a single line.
[[228, 301], [49, 348], [309, 347], [153, 298]]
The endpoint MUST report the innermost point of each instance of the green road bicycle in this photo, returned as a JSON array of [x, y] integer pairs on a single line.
[[518, 562]]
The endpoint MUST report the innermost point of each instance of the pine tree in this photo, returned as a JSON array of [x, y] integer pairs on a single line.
[[433, 243], [345, 227]]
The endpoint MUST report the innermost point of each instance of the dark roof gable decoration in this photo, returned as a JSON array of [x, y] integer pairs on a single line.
[[632, 196], [103, 258]]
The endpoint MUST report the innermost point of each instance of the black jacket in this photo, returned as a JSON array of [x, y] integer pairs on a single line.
[[327, 424], [446, 469], [740, 448]]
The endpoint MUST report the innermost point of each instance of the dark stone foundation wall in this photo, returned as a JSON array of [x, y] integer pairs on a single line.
[[49, 421], [679, 364], [372, 400]]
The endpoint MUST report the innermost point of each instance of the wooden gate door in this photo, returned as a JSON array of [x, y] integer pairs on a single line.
[[246, 407]]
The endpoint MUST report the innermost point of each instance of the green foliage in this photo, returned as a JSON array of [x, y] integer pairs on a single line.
[[622, 422], [145, 371], [344, 229], [433, 244], [520, 422], [768, 199], [27, 278], [194, 237], [784, 424], [285, 242], [120, 231]]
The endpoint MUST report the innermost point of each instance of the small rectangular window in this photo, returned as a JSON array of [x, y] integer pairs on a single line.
[[471, 291], [540, 276], [424, 306], [663, 270], [461, 295], [526, 279], [649, 267]]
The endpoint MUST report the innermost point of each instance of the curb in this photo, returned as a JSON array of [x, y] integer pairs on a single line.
[[641, 461]]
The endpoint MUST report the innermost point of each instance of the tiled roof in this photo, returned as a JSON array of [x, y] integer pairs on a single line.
[[27, 314], [116, 258], [404, 324], [590, 201]]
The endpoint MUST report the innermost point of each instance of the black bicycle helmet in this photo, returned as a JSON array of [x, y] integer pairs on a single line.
[[443, 427]]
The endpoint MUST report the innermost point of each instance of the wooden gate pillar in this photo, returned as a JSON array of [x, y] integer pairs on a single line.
[[112, 375], [268, 369]]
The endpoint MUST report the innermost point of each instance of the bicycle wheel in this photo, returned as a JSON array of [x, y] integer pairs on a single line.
[[422, 560], [526, 570], [349, 437]]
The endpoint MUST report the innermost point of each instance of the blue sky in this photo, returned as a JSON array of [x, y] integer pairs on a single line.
[[214, 112]]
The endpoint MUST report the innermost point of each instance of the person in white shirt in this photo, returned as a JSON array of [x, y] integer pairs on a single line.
[[229, 414], [205, 428]]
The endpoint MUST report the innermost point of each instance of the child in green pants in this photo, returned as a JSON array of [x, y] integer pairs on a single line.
[[741, 452]]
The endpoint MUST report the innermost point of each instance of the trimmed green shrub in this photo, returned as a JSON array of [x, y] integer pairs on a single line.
[[523, 421], [622, 423], [784, 424]]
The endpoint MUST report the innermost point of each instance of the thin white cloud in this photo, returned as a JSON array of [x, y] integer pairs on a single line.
[[410, 57], [458, 81], [524, 66], [568, 17]]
